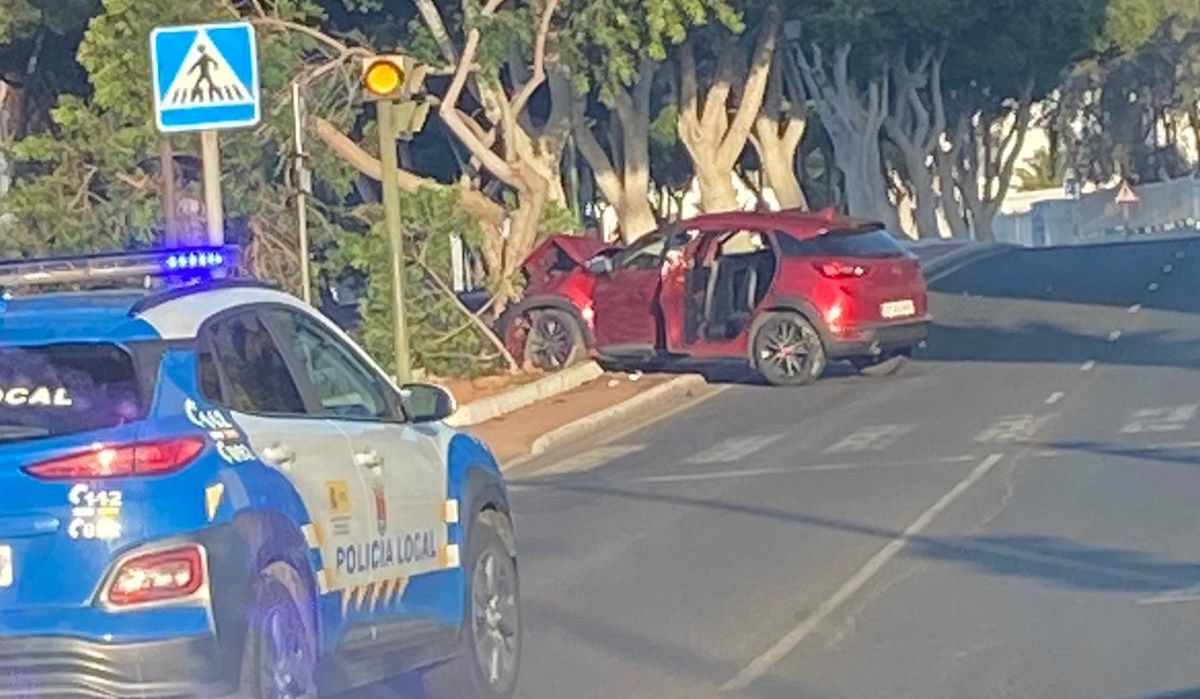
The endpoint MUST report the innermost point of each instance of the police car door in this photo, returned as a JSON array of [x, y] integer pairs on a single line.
[[243, 369], [402, 465]]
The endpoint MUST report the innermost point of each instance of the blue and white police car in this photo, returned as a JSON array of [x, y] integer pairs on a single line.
[[207, 489]]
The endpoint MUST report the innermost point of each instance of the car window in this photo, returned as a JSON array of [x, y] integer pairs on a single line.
[[242, 368], [645, 253], [875, 242], [743, 243], [60, 389], [345, 387]]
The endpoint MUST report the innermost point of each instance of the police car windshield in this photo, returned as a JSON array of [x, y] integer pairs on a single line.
[[59, 389]]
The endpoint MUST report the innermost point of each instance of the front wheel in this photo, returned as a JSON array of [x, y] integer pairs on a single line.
[[490, 652], [788, 351], [554, 339]]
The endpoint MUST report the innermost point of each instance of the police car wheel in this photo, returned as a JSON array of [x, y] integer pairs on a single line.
[[278, 662], [486, 664]]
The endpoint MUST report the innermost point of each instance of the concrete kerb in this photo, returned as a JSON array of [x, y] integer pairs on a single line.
[[680, 385], [493, 407]]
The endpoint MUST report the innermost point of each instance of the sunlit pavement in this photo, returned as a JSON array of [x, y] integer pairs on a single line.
[[1015, 514]]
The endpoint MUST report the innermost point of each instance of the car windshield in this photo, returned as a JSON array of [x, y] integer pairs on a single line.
[[60, 389]]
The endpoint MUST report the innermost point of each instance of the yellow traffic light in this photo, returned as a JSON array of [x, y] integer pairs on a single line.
[[390, 77]]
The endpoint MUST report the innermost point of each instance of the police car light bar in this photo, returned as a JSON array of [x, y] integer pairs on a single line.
[[46, 271]]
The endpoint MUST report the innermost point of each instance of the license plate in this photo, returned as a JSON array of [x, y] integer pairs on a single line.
[[898, 309], [6, 566]]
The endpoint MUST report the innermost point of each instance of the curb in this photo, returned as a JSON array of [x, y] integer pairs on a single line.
[[491, 407], [948, 264], [683, 384]]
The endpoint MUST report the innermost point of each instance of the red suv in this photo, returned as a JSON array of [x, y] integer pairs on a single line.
[[786, 291]]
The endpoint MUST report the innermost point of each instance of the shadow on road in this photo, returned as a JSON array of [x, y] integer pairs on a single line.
[[1055, 560], [1188, 455]]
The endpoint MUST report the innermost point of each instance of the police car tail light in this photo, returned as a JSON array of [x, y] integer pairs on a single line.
[[149, 458], [158, 576]]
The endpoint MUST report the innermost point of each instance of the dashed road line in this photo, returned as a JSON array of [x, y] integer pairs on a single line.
[[763, 663], [1055, 397], [1135, 308], [789, 470], [1153, 286], [1114, 336], [1088, 365], [734, 449], [1167, 269]]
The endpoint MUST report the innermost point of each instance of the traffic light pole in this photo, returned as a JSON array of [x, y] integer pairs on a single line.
[[388, 131]]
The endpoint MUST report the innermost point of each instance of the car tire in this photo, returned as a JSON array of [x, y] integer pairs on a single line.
[[485, 666], [788, 350], [881, 366], [553, 339], [278, 661]]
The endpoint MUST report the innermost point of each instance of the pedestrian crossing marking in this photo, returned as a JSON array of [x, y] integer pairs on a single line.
[[206, 79], [734, 449], [872, 438], [1160, 419]]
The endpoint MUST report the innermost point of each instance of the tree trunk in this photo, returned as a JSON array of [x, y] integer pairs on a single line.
[[779, 168], [926, 198]]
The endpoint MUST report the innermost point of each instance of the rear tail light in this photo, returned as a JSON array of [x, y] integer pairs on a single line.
[[158, 576], [110, 461], [840, 270]]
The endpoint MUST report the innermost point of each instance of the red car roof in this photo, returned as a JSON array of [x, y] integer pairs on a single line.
[[801, 224]]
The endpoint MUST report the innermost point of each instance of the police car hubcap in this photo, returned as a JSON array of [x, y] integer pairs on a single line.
[[286, 657], [494, 606]]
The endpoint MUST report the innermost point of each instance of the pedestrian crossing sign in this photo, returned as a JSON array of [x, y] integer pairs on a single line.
[[205, 77]]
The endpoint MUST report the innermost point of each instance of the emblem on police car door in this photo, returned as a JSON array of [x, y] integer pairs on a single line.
[[380, 509]]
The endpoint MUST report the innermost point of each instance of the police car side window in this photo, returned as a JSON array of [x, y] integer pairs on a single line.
[[256, 377], [344, 386]]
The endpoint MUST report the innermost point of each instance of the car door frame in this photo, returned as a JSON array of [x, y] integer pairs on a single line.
[[609, 295], [411, 450]]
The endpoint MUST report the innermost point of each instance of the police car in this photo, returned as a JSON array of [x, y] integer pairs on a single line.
[[209, 490]]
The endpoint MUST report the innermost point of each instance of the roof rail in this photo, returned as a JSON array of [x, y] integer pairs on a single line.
[[157, 299], [190, 263]]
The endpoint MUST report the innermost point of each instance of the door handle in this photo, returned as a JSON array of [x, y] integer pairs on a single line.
[[368, 459], [278, 455]]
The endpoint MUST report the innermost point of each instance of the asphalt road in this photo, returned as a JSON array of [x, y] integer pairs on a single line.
[[1014, 515]]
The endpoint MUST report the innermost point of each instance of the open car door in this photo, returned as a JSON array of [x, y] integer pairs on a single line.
[[625, 298]]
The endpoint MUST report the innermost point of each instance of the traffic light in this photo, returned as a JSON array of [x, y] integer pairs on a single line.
[[391, 77]]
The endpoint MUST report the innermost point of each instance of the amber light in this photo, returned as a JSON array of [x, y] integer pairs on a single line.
[[383, 77]]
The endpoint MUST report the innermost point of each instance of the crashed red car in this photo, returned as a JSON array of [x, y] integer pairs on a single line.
[[786, 291]]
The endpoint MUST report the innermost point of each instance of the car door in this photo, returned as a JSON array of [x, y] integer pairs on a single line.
[[625, 299], [243, 369], [401, 463]]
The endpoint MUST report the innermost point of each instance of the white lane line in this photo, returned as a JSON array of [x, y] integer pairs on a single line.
[[1135, 308], [1114, 336], [1179, 255], [1168, 418], [1170, 446], [734, 449], [760, 665], [786, 470], [1044, 453], [1088, 365], [1153, 286], [1055, 397], [1187, 594], [586, 460], [872, 438], [1167, 269]]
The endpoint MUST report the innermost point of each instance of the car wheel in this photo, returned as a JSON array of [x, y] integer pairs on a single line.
[[788, 350], [278, 662], [486, 665], [882, 365], [554, 340]]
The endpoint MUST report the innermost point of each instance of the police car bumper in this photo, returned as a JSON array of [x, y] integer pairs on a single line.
[[59, 667]]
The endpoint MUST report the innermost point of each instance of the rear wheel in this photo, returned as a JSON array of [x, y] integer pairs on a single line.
[[278, 661], [788, 350], [486, 664], [885, 364], [554, 340]]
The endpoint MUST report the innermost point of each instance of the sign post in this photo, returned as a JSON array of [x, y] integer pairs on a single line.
[[1126, 198], [206, 79]]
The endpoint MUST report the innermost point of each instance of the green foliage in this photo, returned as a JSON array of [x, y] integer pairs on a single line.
[[1045, 170], [1132, 23], [442, 340]]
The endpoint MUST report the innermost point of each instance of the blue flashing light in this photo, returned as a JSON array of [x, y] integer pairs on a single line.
[[189, 260]]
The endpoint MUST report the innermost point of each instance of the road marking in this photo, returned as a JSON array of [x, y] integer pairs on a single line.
[[1179, 255], [1014, 428], [1114, 336], [1160, 419], [760, 665], [1153, 286], [788, 470], [1170, 446], [1135, 308], [1044, 453], [1055, 397], [586, 460], [1167, 269], [1187, 594], [1088, 365], [733, 449], [873, 438]]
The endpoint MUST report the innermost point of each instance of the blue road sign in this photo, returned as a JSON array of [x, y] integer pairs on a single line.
[[205, 77]]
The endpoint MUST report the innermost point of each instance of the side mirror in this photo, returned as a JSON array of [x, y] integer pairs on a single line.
[[427, 403], [601, 264]]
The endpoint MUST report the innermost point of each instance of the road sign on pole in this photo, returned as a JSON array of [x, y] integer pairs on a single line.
[[206, 78], [1126, 195]]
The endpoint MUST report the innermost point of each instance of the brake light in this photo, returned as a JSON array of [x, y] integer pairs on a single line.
[[840, 270], [107, 461], [158, 576]]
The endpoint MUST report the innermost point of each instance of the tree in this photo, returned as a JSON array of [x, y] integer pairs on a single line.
[[779, 129], [714, 132]]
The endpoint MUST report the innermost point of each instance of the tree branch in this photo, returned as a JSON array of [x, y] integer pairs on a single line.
[[754, 89], [689, 95], [602, 166], [479, 324], [521, 98], [277, 24], [433, 20]]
